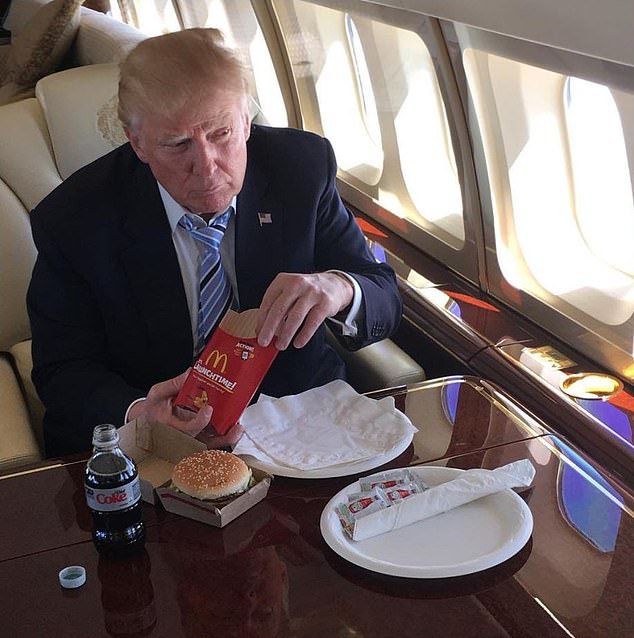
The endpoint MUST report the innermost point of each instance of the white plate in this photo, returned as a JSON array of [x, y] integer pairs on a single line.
[[333, 471], [465, 540]]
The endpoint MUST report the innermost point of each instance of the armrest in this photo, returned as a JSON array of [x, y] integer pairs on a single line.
[[18, 445], [379, 365]]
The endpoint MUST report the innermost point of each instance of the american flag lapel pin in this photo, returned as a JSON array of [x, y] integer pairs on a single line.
[[265, 218]]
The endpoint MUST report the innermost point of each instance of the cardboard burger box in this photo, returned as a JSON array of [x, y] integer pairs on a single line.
[[156, 448]]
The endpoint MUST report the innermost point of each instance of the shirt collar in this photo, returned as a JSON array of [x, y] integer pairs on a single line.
[[174, 210]]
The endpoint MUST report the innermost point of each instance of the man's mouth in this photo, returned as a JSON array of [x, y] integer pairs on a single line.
[[207, 191]]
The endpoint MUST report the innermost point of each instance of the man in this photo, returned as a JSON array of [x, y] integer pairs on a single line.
[[115, 298]]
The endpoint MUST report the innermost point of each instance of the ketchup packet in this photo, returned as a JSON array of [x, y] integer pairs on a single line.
[[228, 371], [376, 493], [402, 491], [359, 505], [389, 479]]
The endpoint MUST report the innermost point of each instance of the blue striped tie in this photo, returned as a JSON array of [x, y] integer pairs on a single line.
[[215, 295]]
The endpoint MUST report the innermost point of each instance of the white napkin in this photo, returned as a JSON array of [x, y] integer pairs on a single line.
[[469, 486], [323, 427]]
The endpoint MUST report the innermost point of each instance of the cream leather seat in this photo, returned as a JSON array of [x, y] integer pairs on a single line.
[[44, 139], [71, 121], [28, 172], [19, 442]]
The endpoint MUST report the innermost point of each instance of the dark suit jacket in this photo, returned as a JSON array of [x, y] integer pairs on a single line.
[[107, 305]]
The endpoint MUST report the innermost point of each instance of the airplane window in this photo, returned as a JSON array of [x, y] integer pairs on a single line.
[[364, 82], [587, 501], [329, 71], [115, 11], [556, 163], [601, 172], [419, 120], [372, 89]]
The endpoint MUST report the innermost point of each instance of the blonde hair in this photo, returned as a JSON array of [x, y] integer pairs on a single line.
[[163, 73]]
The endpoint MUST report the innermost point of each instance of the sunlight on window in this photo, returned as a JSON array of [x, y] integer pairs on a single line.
[[392, 202], [540, 247], [267, 89], [555, 251], [338, 102], [424, 143], [365, 85], [428, 165], [371, 88], [156, 17], [115, 11], [417, 280], [602, 185], [217, 18], [542, 208]]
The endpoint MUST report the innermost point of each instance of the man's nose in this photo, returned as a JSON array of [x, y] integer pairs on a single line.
[[204, 158]]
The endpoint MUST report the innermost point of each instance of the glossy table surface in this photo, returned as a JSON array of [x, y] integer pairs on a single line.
[[270, 573]]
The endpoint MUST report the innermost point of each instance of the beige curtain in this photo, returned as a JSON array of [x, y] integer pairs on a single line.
[[130, 14]]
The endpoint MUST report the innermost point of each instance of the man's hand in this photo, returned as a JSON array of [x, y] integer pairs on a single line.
[[295, 305], [157, 406]]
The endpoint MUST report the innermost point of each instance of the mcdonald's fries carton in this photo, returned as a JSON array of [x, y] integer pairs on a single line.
[[228, 372]]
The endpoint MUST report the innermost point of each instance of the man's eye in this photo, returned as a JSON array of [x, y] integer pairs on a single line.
[[223, 132]]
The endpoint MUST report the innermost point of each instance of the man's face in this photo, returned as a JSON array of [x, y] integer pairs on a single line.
[[198, 154]]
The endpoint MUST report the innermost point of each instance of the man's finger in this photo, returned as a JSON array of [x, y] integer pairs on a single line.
[[169, 388], [294, 321], [313, 320], [271, 317], [196, 424]]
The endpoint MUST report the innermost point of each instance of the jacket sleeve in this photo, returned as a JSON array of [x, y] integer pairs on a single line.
[[340, 244], [70, 361]]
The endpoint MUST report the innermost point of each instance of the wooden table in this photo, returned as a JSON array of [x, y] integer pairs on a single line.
[[270, 573]]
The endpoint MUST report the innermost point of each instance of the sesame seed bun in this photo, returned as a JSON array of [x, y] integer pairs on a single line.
[[211, 474]]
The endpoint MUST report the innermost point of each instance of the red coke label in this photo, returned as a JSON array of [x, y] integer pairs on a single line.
[[117, 498]]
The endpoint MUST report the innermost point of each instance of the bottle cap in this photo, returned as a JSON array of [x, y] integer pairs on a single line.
[[105, 435], [72, 577]]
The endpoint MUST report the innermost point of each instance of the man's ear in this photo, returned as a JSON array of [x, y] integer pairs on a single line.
[[246, 123], [137, 147], [247, 128]]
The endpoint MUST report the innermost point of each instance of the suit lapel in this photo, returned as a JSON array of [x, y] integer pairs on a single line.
[[259, 230], [150, 262]]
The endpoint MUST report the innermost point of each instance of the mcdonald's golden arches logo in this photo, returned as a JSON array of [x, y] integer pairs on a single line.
[[218, 358]]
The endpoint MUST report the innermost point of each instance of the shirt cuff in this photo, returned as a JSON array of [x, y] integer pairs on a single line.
[[127, 412], [349, 325]]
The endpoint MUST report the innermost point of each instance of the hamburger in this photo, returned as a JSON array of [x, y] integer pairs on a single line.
[[211, 475]]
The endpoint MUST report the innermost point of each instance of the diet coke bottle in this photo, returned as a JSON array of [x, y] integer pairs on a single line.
[[113, 493]]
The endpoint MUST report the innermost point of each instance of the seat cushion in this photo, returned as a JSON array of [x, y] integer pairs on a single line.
[[102, 39], [27, 165], [23, 364], [90, 94], [18, 445], [17, 256], [39, 48], [377, 366]]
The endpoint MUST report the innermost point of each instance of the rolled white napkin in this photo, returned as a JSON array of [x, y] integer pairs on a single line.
[[469, 486], [322, 427]]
